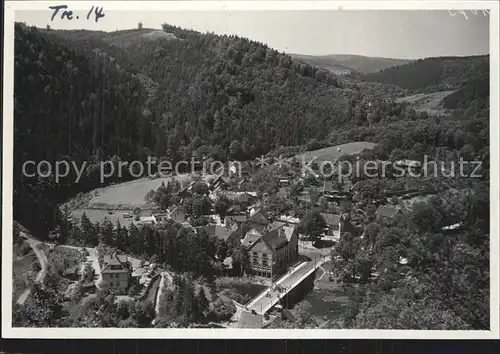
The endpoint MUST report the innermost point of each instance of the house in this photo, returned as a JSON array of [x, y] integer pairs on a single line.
[[184, 193], [72, 273], [258, 220], [233, 168], [284, 180], [407, 165], [234, 209], [242, 198], [224, 233], [139, 276], [244, 185], [274, 250], [289, 219], [452, 228], [177, 213], [238, 219], [160, 217], [335, 226], [305, 197], [145, 220], [221, 183], [251, 236], [387, 212], [116, 271]]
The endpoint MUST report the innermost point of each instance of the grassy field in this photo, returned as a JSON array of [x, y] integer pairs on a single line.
[[427, 102], [130, 194], [119, 198], [332, 153]]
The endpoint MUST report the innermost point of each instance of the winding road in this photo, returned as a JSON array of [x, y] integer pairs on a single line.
[[42, 259]]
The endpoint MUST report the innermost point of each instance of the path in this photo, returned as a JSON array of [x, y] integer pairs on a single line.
[[160, 293], [42, 259]]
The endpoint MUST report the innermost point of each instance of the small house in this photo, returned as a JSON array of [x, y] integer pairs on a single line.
[[177, 213], [387, 212]]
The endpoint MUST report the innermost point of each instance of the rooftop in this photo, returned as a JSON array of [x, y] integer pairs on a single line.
[[251, 237], [387, 211], [331, 219], [275, 237], [109, 261]]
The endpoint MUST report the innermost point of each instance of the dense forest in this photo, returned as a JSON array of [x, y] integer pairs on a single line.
[[86, 100], [433, 74]]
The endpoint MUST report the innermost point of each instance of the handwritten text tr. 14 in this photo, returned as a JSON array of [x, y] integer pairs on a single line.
[[65, 14]]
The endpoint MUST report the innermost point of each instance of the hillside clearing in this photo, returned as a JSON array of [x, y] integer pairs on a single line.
[[333, 153], [432, 103]]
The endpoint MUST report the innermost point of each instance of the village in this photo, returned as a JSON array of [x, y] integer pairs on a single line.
[[286, 253]]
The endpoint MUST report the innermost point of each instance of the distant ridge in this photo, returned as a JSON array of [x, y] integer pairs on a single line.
[[433, 74], [351, 63]]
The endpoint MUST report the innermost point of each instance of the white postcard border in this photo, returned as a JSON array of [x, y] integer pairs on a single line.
[[8, 93]]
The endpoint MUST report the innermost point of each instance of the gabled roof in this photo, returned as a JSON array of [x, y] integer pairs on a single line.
[[71, 270], [330, 219], [115, 260], [222, 179], [221, 232], [283, 228], [178, 208], [251, 237], [275, 237], [387, 211], [289, 231], [171, 207], [259, 218], [236, 218]]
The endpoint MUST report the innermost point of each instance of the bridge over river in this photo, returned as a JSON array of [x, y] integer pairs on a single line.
[[289, 283]]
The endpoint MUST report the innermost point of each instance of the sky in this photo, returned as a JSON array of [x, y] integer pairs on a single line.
[[409, 34]]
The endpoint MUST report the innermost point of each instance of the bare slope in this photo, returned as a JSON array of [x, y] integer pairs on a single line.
[[432, 103], [332, 153]]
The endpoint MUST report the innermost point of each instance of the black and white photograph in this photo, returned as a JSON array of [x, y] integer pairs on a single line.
[[236, 169]]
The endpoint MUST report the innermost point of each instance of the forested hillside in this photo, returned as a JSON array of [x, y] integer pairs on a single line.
[[67, 107], [219, 89], [90, 96], [433, 74]]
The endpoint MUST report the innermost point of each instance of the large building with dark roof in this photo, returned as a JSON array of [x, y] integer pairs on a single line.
[[116, 272], [273, 250]]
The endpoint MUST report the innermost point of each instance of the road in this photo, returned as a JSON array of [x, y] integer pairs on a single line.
[[42, 259], [268, 298]]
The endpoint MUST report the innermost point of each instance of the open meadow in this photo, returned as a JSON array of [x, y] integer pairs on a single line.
[[333, 153]]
